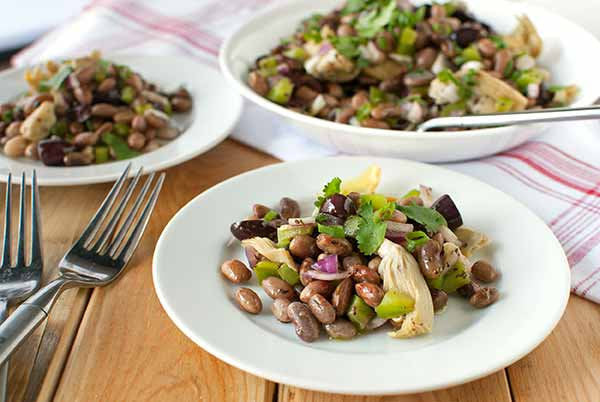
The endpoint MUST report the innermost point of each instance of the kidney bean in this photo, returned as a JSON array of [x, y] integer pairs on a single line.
[[107, 85], [351, 260], [370, 293], [365, 274], [139, 124], [305, 266], [341, 329], [484, 272], [253, 228], [236, 271], [125, 117], [315, 287], [15, 146], [439, 298], [430, 259], [258, 83], [483, 297], [501, 60], [289, 208], [305, 324], [425, 57], [374, 263], [321, 309], [279, 309], [277, 288], [248, 300], [334, 245], [136, 140], [303, 246], [181, 104]]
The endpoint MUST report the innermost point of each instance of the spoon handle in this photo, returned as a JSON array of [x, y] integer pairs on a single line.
[[526, 117]]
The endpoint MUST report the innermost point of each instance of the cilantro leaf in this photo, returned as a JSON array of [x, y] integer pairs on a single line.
[[370, 23], [354, 6], [333, 230], [351, 225], [347, 46], [415, 239], [331, 188], [385, 213], [430, 218], [371, 230], [55, 82]]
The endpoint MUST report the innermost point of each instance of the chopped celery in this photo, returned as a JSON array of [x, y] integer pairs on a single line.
[[504, 104], [127, 94], [406, 44], [121, 129], [281, 91], [269, 216], [265, 269], [363, 112], [526, 77], [415, 239], [333, 230], [377, 200], [351, 225], [286, 233], [455, 278], [140, 109], [288, 274], [411, 193], [296, 53], [375, 95], [453, 108], [394, 304], [101, 154], [359, 313]]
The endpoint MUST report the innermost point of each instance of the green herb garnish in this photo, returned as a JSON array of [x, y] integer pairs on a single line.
[[415, 239], [371, 230], [430, 218], [497, 41], [333, 230], [54, 82], [119, 146], [363, 112], [331, 188], [373, 21]]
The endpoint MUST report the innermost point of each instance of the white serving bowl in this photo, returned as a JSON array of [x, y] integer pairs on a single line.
[[570, 53]]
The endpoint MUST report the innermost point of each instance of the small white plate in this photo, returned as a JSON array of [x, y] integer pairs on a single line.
[[565, 45], [216, 110], [465, 343]]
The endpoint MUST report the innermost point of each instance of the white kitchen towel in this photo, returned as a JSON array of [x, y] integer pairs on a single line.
[[557, 175]]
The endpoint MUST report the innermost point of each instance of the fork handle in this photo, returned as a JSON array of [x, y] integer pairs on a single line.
[[25, 319]]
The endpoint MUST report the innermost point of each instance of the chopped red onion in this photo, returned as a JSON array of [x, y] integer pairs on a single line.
[[328, 264], [326, 276], [325, 47]]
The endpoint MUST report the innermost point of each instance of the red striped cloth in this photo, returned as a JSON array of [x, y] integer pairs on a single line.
[[556, 175]]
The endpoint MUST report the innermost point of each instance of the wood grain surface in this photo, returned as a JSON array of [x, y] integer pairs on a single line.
[[117, 344]]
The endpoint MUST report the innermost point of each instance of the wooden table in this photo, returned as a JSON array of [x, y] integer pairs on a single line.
[[117, 344]]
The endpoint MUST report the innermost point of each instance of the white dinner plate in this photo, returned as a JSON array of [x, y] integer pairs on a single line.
[[564, 44], [465, 344], [216, 110]]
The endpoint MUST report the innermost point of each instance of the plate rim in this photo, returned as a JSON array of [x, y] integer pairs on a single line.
[[237, 105], [280, 377]]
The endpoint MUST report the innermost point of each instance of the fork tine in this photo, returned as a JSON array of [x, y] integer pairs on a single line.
[[94, 225], [114, 220], [21, 234], [132, 213], [36, 245], [140, 224], [7, 219]]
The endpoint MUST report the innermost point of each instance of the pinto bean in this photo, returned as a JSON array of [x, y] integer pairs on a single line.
[[136, 140], [484, 272], [260, 210], [15, 147], [277, 288], [334, 245], [305, 266], [86, 138], [279, 309], [139, 124], [314, 287], [341, 329], [371, 293], [303, 246], [104, 110], [425, 57], [365, 274], [439, 298], [289, 208], [486, 47], [483, 297], [321, 309], [181, 104], [373, 123], [107, 85], [236, 271], [125, 116], [430, 259], [248, 300], [342, 295], [374, 263], [351, 260], [305, 324], [360, 98], [501, 60], [258, 83]]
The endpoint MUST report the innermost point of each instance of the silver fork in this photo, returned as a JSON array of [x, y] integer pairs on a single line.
[[19, 281], [97, 258]]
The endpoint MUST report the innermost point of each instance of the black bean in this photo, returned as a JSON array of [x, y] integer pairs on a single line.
[[339, 205], [52, 151], [253, 228], [465, 36]]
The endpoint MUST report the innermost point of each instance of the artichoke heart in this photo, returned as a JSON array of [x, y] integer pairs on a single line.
[[400, 272], [268, 249]]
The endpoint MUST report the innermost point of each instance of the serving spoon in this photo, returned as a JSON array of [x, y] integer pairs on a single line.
[[501, 119]]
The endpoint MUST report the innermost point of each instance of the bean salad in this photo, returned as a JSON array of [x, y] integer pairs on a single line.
[[361, 261], [388, 64], [88, 111]]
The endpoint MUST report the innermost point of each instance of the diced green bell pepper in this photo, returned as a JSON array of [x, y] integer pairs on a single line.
[[288, 274], [264, 269], [286, 233], [281, 91], [377, 200], [406, 45], [455, 278], [127, 94], [101, 154], [296, 53], [359, 313], [394, 304]]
